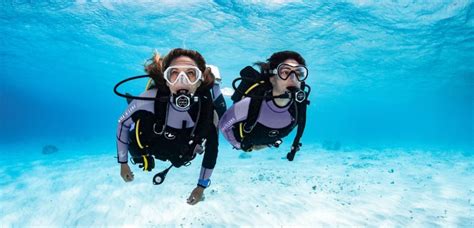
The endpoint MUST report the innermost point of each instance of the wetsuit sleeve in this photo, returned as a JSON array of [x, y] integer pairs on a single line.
[[218, 100], [210, 153], [210, 157], [125, 122], [236, 113]]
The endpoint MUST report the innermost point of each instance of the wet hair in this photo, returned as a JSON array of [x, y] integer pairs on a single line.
[[155, 66], [277, 58]]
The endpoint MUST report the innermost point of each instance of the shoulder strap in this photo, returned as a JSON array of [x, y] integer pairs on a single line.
[[202, 113], [205, 116], [161, 107], [252, 114]]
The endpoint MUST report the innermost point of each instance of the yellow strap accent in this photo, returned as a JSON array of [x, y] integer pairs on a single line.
[[137, 134], [145, 163], [148, 84], [246, 92], [252, 87], [240, 130]]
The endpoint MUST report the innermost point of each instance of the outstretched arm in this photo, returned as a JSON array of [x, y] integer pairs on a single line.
[[208, 164]]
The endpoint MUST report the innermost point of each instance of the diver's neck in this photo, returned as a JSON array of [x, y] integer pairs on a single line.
[[281, 102]]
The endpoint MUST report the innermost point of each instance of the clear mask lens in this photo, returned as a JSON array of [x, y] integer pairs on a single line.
[[284, 71], [185, 74]]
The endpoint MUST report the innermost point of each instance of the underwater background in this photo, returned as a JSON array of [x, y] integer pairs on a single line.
[[388, 141]]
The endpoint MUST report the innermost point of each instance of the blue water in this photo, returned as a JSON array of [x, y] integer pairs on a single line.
[[388, 74], [393, 73]]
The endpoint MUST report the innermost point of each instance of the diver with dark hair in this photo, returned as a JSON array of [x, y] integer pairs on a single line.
[[173, 120], [268, 104]]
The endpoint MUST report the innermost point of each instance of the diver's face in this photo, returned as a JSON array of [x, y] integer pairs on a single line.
[[280, 86], [181, 84]]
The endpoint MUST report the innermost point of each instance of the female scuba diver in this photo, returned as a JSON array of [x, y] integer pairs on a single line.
[[268, 104], [174, 119]]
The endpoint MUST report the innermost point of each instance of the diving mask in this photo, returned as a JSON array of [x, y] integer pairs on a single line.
[[284, 71], [186, 74]]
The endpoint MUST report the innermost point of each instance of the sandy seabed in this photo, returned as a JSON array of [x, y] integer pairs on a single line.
[[370, 187]]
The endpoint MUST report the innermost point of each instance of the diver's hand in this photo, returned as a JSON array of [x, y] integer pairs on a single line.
[[199, 149], [196, 195], [290, 156], [125, 172]]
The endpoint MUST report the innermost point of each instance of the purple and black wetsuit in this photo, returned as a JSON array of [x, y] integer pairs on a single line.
[[273, 123], [218, 100], [179, 123]]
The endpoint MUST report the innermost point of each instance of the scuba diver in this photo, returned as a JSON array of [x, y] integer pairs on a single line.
[[173, 120], [268, 104]]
